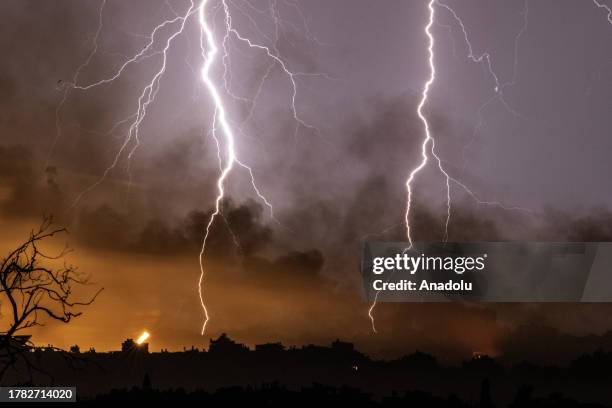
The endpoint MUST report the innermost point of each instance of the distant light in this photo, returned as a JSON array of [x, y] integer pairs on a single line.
[[143, 337]]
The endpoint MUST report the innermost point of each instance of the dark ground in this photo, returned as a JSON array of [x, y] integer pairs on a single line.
[[273, 375]]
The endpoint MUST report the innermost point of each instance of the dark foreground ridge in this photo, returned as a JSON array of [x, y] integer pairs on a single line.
[[273, 375]]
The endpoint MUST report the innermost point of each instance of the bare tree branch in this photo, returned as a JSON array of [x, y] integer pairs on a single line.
[[33, 292]]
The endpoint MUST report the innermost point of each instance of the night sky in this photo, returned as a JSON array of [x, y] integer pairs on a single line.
[[335, 182]]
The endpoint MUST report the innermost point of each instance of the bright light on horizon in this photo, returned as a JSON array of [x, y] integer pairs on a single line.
[[143, 337]]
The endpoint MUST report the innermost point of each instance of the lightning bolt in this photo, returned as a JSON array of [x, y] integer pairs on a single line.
[[428, 141], [428, 145], [208, 38], [222, 131], [210, 49], [209, 52]]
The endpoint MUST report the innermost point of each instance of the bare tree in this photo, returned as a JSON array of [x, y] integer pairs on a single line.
[[31, 292]]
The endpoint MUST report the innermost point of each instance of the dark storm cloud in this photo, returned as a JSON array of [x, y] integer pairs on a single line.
[[105, 227], [238, 236], [41, 40], [382, 146], [24, 191], [593, 225], [157, 231], [286, 270]]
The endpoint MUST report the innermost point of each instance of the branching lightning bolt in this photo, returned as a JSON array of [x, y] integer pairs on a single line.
[[210, 50], [225, 141], [147, 95], [428, 140], [485, 57], [230, 29], [428, 146]]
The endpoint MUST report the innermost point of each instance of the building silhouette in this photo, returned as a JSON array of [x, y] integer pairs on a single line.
[[225, 345], [270, 347]]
